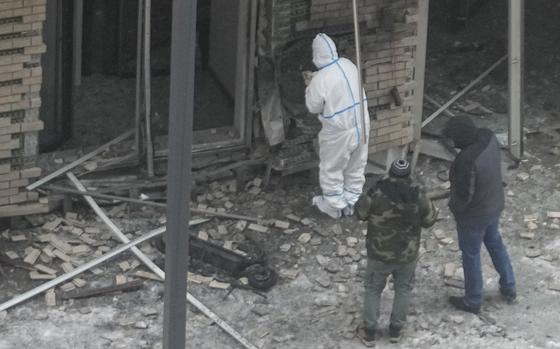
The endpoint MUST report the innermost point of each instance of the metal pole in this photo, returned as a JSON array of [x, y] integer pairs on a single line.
[[148, 86], [79, 161], [120, 235], [463, 91], [80, 269], [181, 109], [420, 66], [137, 111], [153, 267], [516, 33], [78, 38], [359, 65], [150, 203]]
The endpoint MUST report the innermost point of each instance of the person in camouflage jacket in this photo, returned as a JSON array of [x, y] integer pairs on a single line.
[[396, 210]]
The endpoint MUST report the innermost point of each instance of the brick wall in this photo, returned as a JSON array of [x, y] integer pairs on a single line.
[[388, 37], [21, 46]]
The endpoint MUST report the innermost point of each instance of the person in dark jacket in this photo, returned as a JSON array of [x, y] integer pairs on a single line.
[[396, 209], [477, 201]]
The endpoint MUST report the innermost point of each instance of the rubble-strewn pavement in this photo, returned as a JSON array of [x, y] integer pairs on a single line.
[[317, 301]]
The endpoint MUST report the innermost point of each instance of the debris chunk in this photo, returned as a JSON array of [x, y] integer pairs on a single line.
[[527, 235], [50, 298], [67, 287], [351, 241], [532, 226], [45, 269], [293, 217], [554, 286], [228, 245], [38, 276], [124, 265], [551, 214], [533, 252], [141, 325], [12, 255], [202, 235], [439, 234], [523, 176], [304, 238], [79, 282], [80, 249], [289, 273], [67, 267], [18, 238], [120, 279], [258, 228], [219, 285], [449, 270], [61, 245], [322, 260], [531, 217], [241, 225], [222, 230], [199, 279], [282, 224], [147, 275], [52, 225], [285, 247]]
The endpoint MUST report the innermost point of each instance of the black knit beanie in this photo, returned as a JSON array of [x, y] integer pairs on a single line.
[[400, 168], [462, 130]]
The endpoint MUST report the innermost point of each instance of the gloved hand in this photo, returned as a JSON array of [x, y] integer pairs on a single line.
[[307, 76]]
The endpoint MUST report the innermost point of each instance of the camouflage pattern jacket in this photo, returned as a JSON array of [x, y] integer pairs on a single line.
[[396, 210]]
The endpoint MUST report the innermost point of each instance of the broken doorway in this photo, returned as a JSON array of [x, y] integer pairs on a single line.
[[104, 100]]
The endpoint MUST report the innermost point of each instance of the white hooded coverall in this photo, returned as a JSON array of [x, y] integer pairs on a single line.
[[333, 93]]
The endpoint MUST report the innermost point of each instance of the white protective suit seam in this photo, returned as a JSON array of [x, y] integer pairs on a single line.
[[348, 85]]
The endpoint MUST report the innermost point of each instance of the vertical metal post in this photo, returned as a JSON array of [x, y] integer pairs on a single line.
[[516, 38], [359, 65], [420, 76], [138, 103], [181, 108], [78, 38], [148, 85]]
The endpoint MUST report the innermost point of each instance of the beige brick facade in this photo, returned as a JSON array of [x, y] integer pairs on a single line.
[[389, 39], [21, 46]]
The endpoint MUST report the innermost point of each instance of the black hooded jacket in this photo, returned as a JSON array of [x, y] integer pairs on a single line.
[[476, 179]]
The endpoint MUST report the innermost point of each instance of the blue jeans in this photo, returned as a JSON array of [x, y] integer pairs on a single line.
[[471, 237]]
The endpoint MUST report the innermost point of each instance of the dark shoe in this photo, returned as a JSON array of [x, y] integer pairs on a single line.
[[459, 303], [509, 295], [395, 334], [366, 336]]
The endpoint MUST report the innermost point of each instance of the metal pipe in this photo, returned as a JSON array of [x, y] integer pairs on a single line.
[[79, 161], [359, 65], [101, 214], [160, 273], [80, 269], [463, 91], [137, 110], [148, 86], [150, 203]]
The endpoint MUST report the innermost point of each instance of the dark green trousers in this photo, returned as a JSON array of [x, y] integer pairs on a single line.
[[375, 281]]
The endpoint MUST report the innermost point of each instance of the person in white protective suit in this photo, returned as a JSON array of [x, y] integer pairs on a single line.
[[333, 93]]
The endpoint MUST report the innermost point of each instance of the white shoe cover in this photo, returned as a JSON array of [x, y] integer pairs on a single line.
[[324, 207]]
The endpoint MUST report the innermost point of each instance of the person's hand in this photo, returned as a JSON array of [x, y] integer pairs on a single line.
[[307, 76]]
